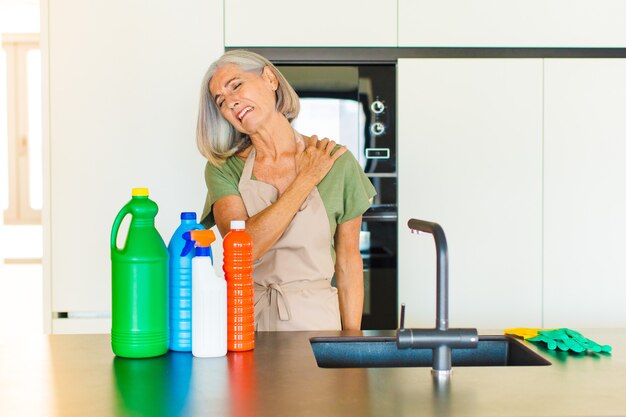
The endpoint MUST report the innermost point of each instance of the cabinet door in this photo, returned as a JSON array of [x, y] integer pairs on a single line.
[[359, 23], [585, 195], [124, 81], [496, 23], [470, 159]]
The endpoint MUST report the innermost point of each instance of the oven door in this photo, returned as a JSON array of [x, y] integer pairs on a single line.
[[379, 250]]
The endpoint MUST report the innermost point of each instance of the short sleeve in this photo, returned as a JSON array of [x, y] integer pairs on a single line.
[[220, 181], [346, 191], [357, 191]]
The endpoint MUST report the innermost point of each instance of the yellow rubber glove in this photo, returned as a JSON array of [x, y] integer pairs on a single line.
[[523, 332]]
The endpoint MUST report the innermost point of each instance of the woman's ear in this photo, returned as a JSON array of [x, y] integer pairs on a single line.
[[270, 77]]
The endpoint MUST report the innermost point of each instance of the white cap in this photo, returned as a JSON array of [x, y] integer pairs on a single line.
[[237, 225]]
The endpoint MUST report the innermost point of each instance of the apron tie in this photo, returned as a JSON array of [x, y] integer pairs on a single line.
[[279, 303], [273, 297]]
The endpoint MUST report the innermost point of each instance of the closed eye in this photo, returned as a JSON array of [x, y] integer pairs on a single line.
[[233, 85]]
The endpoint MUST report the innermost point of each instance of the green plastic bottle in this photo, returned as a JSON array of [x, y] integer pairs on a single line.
[[139, 283]]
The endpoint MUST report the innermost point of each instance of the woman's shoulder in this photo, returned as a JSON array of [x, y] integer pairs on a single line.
[[232, 166], [345, 168], [345, 161]]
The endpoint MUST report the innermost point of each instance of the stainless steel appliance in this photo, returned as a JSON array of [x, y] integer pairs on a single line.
[[356, 106]]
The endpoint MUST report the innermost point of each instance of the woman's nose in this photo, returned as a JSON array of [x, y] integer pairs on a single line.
[[232, 102]]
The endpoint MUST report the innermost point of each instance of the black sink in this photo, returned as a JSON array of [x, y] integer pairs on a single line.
[[382, 352]]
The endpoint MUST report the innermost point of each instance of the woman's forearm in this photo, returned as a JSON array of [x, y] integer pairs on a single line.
[[350, 288], [349, 273], [267, 226]]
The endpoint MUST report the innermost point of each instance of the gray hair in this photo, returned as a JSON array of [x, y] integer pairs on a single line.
[[217, 139]]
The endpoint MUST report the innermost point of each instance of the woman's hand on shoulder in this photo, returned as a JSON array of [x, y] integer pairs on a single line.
[[315, 158]]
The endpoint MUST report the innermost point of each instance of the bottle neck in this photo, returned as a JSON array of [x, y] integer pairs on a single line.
[[143, 222], [203, 251]]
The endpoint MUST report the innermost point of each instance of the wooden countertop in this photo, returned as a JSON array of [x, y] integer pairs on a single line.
[[78, 375]]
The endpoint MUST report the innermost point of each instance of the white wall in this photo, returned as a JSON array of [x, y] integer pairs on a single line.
[[329, 23], [522, 162], [124, 81], [585, 195], [424, 23], [469, 158], [499, 23]]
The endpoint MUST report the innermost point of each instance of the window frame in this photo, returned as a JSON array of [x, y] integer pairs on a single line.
[[19, 210]]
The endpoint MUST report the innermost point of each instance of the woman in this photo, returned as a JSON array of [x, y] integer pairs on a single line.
[[302, 198]]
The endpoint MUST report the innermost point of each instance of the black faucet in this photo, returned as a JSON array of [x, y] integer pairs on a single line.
[[441, 339]]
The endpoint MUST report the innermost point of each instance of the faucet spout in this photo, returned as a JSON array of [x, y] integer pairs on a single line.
[[441, 339], [441, 246]]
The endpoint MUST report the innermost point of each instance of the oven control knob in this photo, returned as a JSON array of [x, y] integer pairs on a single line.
[[377, 128], [377, 107]]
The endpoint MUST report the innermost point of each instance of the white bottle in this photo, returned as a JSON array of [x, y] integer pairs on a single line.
[[208, 304]]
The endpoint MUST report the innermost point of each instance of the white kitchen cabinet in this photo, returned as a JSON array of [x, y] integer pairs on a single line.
[[275, 23], [123, 82], [497, 23], [585, 196], [470, 155]]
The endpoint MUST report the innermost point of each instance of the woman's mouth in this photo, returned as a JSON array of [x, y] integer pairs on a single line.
[[243, 112]]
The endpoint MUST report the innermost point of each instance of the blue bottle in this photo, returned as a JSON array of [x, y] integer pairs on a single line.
[[180, 285]]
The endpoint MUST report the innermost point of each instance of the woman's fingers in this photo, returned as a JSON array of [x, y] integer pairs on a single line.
[[323, 144], [326, 145], [340, 151], [317, 157], [329, 146]]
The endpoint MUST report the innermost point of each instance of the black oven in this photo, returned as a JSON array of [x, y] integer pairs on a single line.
[[356, 106]]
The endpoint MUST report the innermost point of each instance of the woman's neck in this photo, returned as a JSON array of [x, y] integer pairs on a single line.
[[274, 140]]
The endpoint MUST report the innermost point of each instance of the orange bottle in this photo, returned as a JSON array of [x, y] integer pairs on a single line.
[[240, 287]]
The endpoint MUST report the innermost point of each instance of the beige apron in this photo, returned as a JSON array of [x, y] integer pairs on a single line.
[[292, 289]]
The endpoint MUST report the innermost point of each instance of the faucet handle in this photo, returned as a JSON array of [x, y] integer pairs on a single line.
[[402, 311]]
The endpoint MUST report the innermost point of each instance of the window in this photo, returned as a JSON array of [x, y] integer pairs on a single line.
[[20, 129], [342, 120]]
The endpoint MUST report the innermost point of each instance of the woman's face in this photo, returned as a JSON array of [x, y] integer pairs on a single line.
[[245, 99]]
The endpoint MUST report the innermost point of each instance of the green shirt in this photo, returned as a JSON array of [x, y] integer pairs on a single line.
[[346, 192]]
